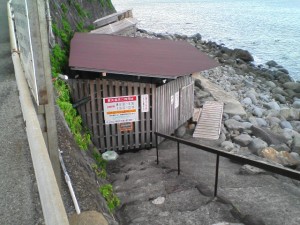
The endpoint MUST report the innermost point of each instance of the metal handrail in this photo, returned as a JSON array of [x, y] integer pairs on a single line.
[[241, 159]]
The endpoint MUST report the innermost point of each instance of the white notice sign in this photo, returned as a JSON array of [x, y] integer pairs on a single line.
[[145, 103], [176, 100], [121, 109]]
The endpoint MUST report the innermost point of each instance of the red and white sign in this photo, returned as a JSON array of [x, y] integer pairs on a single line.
[[121, 109]]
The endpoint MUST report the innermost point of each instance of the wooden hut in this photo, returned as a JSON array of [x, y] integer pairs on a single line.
[[136, 86]]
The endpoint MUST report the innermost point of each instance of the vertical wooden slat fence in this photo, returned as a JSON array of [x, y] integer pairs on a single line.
[[109, 137], [170, 114]]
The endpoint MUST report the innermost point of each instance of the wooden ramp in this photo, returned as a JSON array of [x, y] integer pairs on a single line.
[[209, 123]]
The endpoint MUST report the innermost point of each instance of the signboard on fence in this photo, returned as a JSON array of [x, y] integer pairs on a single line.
[[28, 34], [121, 109]]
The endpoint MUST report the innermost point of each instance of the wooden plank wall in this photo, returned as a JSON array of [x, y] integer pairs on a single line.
[[169, 117], [109, 137]]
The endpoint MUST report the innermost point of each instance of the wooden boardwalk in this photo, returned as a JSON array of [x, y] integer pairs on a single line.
[[209, 123]]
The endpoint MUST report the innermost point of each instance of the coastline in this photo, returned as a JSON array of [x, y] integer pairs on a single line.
[[270, 130]]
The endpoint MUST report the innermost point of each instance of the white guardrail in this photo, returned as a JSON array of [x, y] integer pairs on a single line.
[[52, 205]]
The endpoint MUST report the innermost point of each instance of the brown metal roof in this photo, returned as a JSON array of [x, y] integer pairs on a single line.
[[136, 56]]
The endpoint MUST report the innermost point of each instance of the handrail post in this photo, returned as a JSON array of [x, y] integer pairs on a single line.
[[156, 136], [178, 157], [217, 175]]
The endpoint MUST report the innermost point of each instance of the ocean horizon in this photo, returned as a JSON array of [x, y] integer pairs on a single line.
[[269, 29]]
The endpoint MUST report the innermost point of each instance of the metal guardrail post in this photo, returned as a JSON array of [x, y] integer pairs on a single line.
[[178, 157], [217, 175]]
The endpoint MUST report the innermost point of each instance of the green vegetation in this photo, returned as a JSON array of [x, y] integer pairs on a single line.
[[59, 62], [81, 12], [100, 166], [111, 199]]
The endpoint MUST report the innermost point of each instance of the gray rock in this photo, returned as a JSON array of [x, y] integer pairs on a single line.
[[261, 122], [271, 84], [252, 94], [296, 104], [271, 63], [295, 86], [196, 37], [282, 77], [281, 147], [264, 97], [268, 136], [256, 145], [290, 113], [246, 101], [285, 124], [253, 121], [250, 170], [279, 90], [243, 140], [232, 124], [197, 103], [237, 118], [287, 133], [247, 125], [243, 54], [272, 113], [201, 94], [295, 156], [272, 105], [273, 120], [283, 70], [280, 98], [227, 145], [296, 144], [198, 83], [296, 125], [256, 111]]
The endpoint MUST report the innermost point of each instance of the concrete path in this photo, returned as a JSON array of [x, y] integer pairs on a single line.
[[247, 199], [19, 203]]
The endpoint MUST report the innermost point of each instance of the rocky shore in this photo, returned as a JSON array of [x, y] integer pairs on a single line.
[[271, 127]]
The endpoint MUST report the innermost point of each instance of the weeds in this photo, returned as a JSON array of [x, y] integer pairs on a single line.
[[111, 199]]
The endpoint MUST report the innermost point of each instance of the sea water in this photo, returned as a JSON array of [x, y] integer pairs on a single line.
[[269, 29]]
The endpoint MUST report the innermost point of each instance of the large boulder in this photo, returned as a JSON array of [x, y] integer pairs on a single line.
[[243, 140], [268, 136], [256, 145], [243, 54], [295, 86], [284, 158]]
